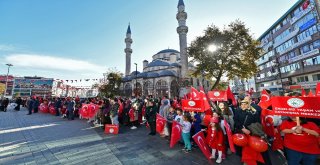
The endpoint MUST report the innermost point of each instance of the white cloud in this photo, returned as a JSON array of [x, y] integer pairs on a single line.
[[6, 47], [45, 62]]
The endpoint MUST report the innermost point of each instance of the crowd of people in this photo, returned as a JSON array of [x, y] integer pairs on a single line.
[[300, 140]]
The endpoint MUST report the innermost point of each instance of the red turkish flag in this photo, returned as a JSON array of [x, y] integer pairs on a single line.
[[175, 134], [217, 95], [161, 122], [267, 122], [310, 94], [305, 4], [111, 129], [203, 95], [194, 94], [231, 96], [265, 100], [229, 134], [277, 141], [318, 89], [303, 92], [200, 140], [206, 120]]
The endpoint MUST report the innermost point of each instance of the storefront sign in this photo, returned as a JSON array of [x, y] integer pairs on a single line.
[[304, 55], [296, 106], [308, 24]]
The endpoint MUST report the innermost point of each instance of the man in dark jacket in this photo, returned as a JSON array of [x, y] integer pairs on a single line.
[[18, 102], [57, 106], [30, 105], [36, 104], [151, 115], [114, 111], [5, 103]]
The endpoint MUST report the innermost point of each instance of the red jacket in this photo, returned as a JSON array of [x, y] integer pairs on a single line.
[[215, 139]]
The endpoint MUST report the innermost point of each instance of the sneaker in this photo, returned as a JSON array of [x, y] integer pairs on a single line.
[[212, 157], [219, 160], [187, 151], [133, 127], [184, 149]]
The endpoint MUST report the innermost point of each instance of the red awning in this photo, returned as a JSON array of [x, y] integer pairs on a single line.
[[295, 86]]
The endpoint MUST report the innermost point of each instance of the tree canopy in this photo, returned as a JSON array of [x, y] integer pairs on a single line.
[[230, 51], [111, 85]]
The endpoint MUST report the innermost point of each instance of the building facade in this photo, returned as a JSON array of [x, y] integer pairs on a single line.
[[167, 73], [32, 86], [291, 57]]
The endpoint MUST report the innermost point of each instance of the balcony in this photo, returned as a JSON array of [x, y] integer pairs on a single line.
[[304, 55], [286, 38], [271, 78]]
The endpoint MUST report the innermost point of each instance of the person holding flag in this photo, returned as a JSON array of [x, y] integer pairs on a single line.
[[215, 139], [151, 115]]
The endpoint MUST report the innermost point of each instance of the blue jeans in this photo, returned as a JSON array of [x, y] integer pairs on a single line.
[[186, 139], [295, 157]]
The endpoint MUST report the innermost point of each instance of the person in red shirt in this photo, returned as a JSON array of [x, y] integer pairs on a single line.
[[300, 141], [215, 139]]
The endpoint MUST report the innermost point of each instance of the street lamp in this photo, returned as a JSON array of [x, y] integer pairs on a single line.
[[5, 89], [136, 90]]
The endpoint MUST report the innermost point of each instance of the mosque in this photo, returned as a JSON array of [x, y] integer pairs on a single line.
[[167, 73]]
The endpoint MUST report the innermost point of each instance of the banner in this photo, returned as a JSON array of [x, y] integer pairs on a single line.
[[217, 95], [192, 105], [200, 140], [229, 134], [175, 133], [111, 129], [161, 122], [296, 106]]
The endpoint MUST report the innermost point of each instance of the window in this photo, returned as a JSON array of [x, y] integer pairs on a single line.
[[302, 79], [316, 44], [312, 61], [305, 49], [302, 36], [316, 77]]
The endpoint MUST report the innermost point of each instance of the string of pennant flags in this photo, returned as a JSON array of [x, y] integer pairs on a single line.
[[79, 80]]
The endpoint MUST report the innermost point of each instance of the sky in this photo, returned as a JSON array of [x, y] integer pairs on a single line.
[[81, 39]]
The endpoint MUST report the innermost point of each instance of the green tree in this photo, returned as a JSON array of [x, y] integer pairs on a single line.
[[111, 85], [231, 51]]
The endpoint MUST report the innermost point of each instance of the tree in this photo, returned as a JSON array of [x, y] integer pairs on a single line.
[[235, 52], [111, 85]]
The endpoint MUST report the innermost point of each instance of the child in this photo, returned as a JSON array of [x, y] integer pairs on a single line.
[[179, 117], [215, 138], [170, 117], [186, 127]]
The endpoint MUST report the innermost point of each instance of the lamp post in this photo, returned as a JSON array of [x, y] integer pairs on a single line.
[[5, 89], [136, 90]]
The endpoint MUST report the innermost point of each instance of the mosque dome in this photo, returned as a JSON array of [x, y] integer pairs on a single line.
[[158, 63], [168, 51]]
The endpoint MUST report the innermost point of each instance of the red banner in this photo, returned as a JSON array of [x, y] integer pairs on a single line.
[[296, 106], [216, 95], [111, 129], [175, 133], [229, 134], [200, 140], [161, 122], [192, 105]]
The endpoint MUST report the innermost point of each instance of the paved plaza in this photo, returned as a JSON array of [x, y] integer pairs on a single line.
[[46, 139]]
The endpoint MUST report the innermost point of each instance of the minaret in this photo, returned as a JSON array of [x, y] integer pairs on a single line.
[[182, 30], [128, 50]]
